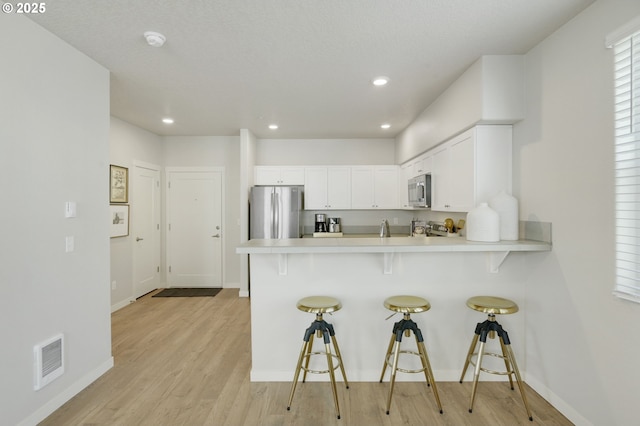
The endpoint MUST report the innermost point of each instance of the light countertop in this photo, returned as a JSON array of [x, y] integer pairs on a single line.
[[385, 245]]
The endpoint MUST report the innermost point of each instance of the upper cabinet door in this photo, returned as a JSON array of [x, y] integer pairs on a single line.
[[362, 192], [386, 187], [461, 195], [374, 187], [471, 168], [327, 188], [440, 180], [315, 188], [339, 188], [279, 175]]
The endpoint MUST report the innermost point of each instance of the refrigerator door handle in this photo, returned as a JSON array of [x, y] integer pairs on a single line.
[[272, 213], [277, 207]]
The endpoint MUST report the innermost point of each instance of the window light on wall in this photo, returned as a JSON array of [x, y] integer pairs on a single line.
[[626, 45]]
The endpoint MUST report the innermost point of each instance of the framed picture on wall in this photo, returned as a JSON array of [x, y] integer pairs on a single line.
[[119, 220], [118, 184]]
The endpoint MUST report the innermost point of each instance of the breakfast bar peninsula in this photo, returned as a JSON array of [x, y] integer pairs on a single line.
[[362, 272]]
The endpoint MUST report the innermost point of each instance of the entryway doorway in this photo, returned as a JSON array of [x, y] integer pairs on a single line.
[[194, 227]]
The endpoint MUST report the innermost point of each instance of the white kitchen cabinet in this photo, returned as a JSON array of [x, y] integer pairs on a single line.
[[405, 173], [374, 187], [279, 175], [327, 188], [471, 168], [422, 165]]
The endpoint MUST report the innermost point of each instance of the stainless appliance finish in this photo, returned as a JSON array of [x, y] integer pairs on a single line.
[[420, 191], [334, 225], [321, 222], [275, 212]]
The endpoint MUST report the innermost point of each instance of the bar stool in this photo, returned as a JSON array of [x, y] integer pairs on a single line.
[[493, 306], [407, 305], [319, 305]]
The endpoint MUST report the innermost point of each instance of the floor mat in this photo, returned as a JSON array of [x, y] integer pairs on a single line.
[[188, 292]]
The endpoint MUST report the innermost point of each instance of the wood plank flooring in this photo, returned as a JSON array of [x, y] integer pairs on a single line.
[[186, 361]]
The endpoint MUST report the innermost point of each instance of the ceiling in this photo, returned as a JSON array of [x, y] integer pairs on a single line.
[[306, 65]]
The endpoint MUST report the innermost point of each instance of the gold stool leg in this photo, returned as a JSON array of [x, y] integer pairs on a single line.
[[394, 370], [386, 356], [421, 347], [327, 349], [308, 357], [297, 373], [474, 342], [476, 375], [507, 364], [339, 355], [512, 360], [429, 372]]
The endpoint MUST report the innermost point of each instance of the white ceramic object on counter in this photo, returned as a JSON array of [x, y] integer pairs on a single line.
[[483, 224], [506, 206]]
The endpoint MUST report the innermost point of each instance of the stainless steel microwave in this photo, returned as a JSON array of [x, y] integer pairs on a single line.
[[420, 191]]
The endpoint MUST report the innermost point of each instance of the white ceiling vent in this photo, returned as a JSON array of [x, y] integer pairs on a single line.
[[48, 361]]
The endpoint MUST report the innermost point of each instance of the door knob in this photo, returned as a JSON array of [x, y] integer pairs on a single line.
[[215, 236], [139, 239]]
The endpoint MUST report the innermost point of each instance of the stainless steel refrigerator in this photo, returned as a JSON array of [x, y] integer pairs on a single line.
[[275, 212]]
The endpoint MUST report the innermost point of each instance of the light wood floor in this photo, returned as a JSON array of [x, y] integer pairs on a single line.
[[186, 361]]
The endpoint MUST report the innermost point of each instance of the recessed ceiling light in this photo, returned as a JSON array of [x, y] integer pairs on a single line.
[[380, 81], [273, 126], [385, 126], [154, 39], [167, 120]]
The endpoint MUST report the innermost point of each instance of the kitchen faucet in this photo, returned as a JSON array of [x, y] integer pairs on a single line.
[[384, 229]]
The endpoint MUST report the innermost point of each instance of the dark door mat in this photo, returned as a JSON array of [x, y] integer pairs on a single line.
[[188, 292]]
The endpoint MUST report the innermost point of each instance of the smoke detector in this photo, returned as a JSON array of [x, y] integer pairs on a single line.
[[154, 39]]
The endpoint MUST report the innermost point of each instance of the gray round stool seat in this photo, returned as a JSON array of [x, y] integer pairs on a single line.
[[492, 306], [319, 305], [407, 305]]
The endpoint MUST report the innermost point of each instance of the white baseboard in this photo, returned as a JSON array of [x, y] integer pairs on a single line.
[[231, 285], [558, 403], [60, 399], [121, 304]]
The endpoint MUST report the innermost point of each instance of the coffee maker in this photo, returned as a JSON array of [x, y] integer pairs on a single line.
[[321, 222]]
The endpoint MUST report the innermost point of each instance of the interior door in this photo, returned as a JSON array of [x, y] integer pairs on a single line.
[[194, 234], [145, 221]]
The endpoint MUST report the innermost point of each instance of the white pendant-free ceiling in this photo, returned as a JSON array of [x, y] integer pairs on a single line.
[[307, 65]]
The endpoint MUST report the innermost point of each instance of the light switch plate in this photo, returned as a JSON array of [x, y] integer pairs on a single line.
[[69, 244], [70, 209]]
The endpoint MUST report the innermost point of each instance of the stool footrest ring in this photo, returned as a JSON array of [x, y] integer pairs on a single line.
[[486, 370], [390, 362], [308, 370]]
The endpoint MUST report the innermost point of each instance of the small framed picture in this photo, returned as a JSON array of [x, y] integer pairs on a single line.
[[119, 220], [118, 184]]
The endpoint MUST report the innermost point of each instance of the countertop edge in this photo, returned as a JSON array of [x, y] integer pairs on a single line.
[[384, 245]]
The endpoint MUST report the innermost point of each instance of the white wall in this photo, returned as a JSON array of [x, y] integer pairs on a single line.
[[488, 92], [129, 144], [309, 152], [54, 109], [582, 343], [215, 151]]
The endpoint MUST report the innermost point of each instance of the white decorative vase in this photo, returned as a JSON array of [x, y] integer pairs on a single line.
[[483, 224], [507, 207]]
